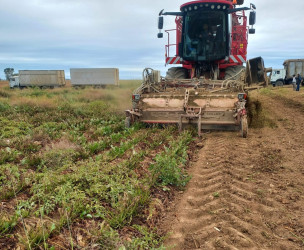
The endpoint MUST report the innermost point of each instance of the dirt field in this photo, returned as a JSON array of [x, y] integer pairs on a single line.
[[246, 193]]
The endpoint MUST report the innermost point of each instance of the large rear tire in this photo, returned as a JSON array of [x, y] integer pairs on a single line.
[[232, 73], [177, 73]]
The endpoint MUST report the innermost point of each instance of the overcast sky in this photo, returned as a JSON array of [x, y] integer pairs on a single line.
[[64, 34]]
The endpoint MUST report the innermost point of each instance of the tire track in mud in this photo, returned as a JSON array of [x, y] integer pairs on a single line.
[[245, 193], [222, 207]]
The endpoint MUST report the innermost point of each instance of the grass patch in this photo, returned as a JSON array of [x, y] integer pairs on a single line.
[[168, 168], [66, 160]]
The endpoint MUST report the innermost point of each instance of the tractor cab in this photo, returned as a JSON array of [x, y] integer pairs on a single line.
[[211, 37], [205, 35]]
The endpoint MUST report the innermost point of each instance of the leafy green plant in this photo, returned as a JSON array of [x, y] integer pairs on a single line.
[[108, 238], [4, 107], [147, 239], [100, 176], [57, 158], [168, 166], [13, 180], [9, 155], [10, 128], [7, 224]]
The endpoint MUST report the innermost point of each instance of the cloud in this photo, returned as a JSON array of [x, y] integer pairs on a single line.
[[62, 34]]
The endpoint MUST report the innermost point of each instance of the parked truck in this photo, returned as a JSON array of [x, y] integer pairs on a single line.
[[38, 78], [97, 77], [277, 77], [293, 67]]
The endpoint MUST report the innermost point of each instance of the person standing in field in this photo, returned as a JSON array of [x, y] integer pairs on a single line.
[[299, 79], [294, 82]]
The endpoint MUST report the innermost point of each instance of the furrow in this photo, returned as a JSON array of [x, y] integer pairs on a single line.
[[220, 209]]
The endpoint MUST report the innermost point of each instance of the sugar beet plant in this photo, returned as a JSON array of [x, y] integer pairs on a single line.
[[72, 176]]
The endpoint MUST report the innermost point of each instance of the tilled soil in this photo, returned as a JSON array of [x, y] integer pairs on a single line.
[[245, 193]]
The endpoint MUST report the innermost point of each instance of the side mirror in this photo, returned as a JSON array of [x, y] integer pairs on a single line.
[[160, 35], [252, 18], [251, 31], [160, 22]]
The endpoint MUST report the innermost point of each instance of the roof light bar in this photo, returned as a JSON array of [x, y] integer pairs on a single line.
[[196, 7]]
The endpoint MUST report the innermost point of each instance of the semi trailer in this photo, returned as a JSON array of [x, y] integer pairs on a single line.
[[96, 77], [38, 78]]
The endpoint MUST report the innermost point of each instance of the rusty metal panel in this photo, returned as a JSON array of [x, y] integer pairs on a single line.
[[177, 101], [94, 76], [163, 102], [169, 107], [173, 116], [223, 103], [41, 78]]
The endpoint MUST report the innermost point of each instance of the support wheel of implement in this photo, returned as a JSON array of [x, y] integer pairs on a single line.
[[233, 73], [147, 75], [128, 122], [244, 127], [177, 73]]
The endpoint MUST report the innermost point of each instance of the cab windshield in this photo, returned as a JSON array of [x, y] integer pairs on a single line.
[[205, 36]]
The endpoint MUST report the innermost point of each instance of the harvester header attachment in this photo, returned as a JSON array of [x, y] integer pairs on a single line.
[[208, 104]]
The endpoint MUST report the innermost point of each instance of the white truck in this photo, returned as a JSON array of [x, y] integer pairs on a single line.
[[38, 78], [277, 77]]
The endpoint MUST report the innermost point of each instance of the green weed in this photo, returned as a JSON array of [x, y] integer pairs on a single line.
[[4, 107], [13, 180], [8, 155], [108, 238], [65, 155], [9, 128], [7, 224], [147, 239], [168, 166]]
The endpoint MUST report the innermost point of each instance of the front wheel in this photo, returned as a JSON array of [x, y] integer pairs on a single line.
[[244, 127], [279, 83]]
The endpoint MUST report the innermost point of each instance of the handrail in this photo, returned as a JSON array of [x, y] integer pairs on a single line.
[[167, 47]]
